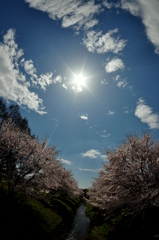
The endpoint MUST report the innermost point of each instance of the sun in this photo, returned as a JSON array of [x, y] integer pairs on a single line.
[[79, 80]]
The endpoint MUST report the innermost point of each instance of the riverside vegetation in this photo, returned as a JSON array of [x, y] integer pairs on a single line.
[[38, 196], [27, 218], [125, 197]]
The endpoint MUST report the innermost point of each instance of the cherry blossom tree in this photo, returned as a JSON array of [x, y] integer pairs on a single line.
[[21, 155], [26, 163], [68, 184], [57, 180], [13, 112], [130, 181]]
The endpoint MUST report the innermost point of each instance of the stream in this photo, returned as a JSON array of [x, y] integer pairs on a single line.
[[80, 225]]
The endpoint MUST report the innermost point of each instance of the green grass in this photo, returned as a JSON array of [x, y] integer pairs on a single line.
[[100, 232], [94, 214], [63, 209], [48, 220], [142, 225], [72, 202], [100, 229], [24, 217], [91, 212]]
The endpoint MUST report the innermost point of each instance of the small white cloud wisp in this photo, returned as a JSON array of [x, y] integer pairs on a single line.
[[84, 117]]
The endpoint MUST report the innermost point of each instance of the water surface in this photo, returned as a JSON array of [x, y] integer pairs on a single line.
[[80, 225]]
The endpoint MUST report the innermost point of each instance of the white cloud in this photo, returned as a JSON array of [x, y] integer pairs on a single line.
[[126, 110], [72, 12], [104, 158], [58, 79], [122, 83], [91, 24], [117, 77], [97, 42], [148, 11], [114, 65], [45, 80], [110, 113], [146, 114], [89, 170], [110, 4], [77, 88], [64, 86], [13, 84], [107, 5], [65, 161], [29, 68], [105, 136], [131, 6], [92, 153], [104, 82], [84, 117], [145, 9]]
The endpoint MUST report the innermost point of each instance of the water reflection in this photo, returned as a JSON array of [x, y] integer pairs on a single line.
[[79, 226]]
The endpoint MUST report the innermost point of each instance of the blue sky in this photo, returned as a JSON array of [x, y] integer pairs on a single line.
[[84, 73]]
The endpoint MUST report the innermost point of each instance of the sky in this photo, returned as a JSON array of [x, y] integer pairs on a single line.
[[84, 73]]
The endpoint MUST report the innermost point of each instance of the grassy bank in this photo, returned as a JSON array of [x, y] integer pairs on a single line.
[[27, 218], [142, 226]]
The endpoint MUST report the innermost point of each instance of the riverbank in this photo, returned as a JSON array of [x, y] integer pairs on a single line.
[[142, 226], [27, 218]]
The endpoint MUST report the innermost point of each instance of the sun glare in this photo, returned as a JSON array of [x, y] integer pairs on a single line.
[[79, 80]]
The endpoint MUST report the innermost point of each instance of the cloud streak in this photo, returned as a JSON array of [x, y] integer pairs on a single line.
[[105, 136], [146, 115], [110, 113], [65, 161], [89, 170]]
